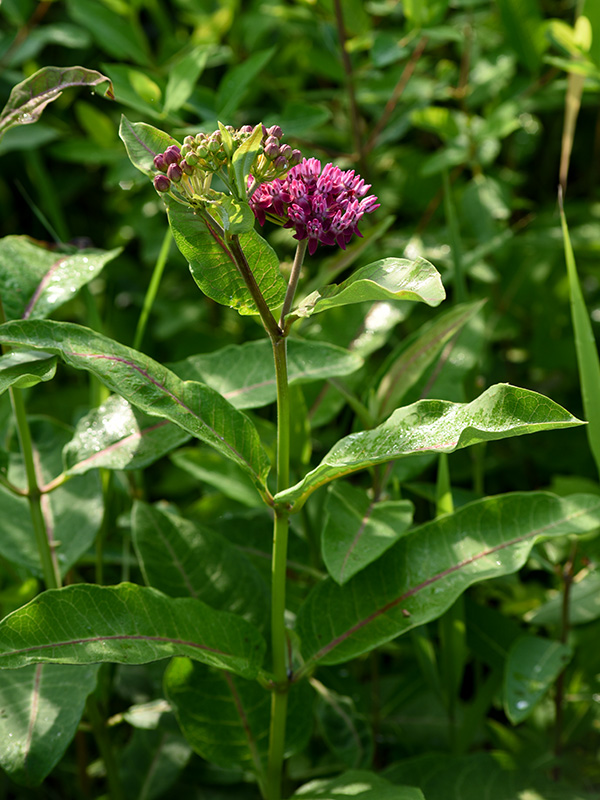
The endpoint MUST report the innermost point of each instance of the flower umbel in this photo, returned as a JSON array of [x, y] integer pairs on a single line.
[[321, 205]]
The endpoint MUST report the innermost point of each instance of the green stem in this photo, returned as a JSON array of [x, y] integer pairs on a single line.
[[102, 737], [152, 289], [266, 316], [278, 580], [293, 282], [34, 497]]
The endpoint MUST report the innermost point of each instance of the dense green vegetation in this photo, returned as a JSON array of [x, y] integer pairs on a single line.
[[465, 117]]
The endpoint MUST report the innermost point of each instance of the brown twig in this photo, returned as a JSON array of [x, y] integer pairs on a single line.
[[396, 94]]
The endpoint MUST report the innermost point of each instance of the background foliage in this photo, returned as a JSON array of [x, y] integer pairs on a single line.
[[455, 112]]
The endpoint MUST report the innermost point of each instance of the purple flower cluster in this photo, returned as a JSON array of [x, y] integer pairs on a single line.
[[323, 206]]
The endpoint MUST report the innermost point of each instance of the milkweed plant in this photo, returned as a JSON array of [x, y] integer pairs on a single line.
[[249, 667]]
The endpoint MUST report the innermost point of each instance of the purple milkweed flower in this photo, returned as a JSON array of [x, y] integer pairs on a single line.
[[321, 205]]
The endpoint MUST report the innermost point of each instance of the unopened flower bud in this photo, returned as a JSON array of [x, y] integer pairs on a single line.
[[271, 147], [159, 163], [200, 137], [192, 159], [246, 129], [281, 163], [275, 131], [172, 148], [170, 156], [186, 166], [185, 150], [286, 150], [214, 145], [162, 183], [202, 152], [174, 172], [188, 142], [295, 158]]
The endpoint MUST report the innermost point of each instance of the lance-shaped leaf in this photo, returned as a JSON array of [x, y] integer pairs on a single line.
[[182, 559], [388, 279], [126, 624], [584, 604], [347, 732], [208, 466], [41, 706], [422, 575], [358, 530], [532, 666], [245, 374], [153, 388], [25, 368], [226, 719], [406, 367], [214, 268], [34, 280], [116, 435], [356, 783], [143, 142], [243, 158], [438, 426], [29, 98]]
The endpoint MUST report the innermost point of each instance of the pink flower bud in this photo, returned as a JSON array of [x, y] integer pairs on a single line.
[[162, 183], [159, 163], [174, 172], [275, 131]]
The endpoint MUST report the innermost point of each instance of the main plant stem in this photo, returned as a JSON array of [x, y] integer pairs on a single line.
[[278, 580]]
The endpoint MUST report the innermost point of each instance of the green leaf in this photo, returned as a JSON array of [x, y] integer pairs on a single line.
[[243, 158], [346, 731], [183, 77], [525, 30], [196, 408], [73, 512], [29, 98], [126, 624], [584, 604], [406, 367], [585, 345], [35, 280], [238, 80], [213, 267], [423, 574], [387, 279], [116, 34], [143, 142], [358, 531], [183, 559], [532, 666], [356, 783], [25, 368], [226, 719], [41, 706], [438, 426], [116, 435], [209, 467], [245, 374], [153, 759]]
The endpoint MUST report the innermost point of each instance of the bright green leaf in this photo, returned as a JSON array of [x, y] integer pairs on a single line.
[[210, 467], [435, 425], [213, 266], [238, 80], [118, 436], [423, 574], [196, 408], [388, 279], [126, 624], [35, 281], [24, 368], [584, 604], [143, 142], [184, 75]]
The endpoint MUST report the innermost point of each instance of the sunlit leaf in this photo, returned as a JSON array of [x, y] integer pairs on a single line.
[[126, 624], [423, 574]]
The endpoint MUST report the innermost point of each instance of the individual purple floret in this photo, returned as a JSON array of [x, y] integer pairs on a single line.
[[321, 205]]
